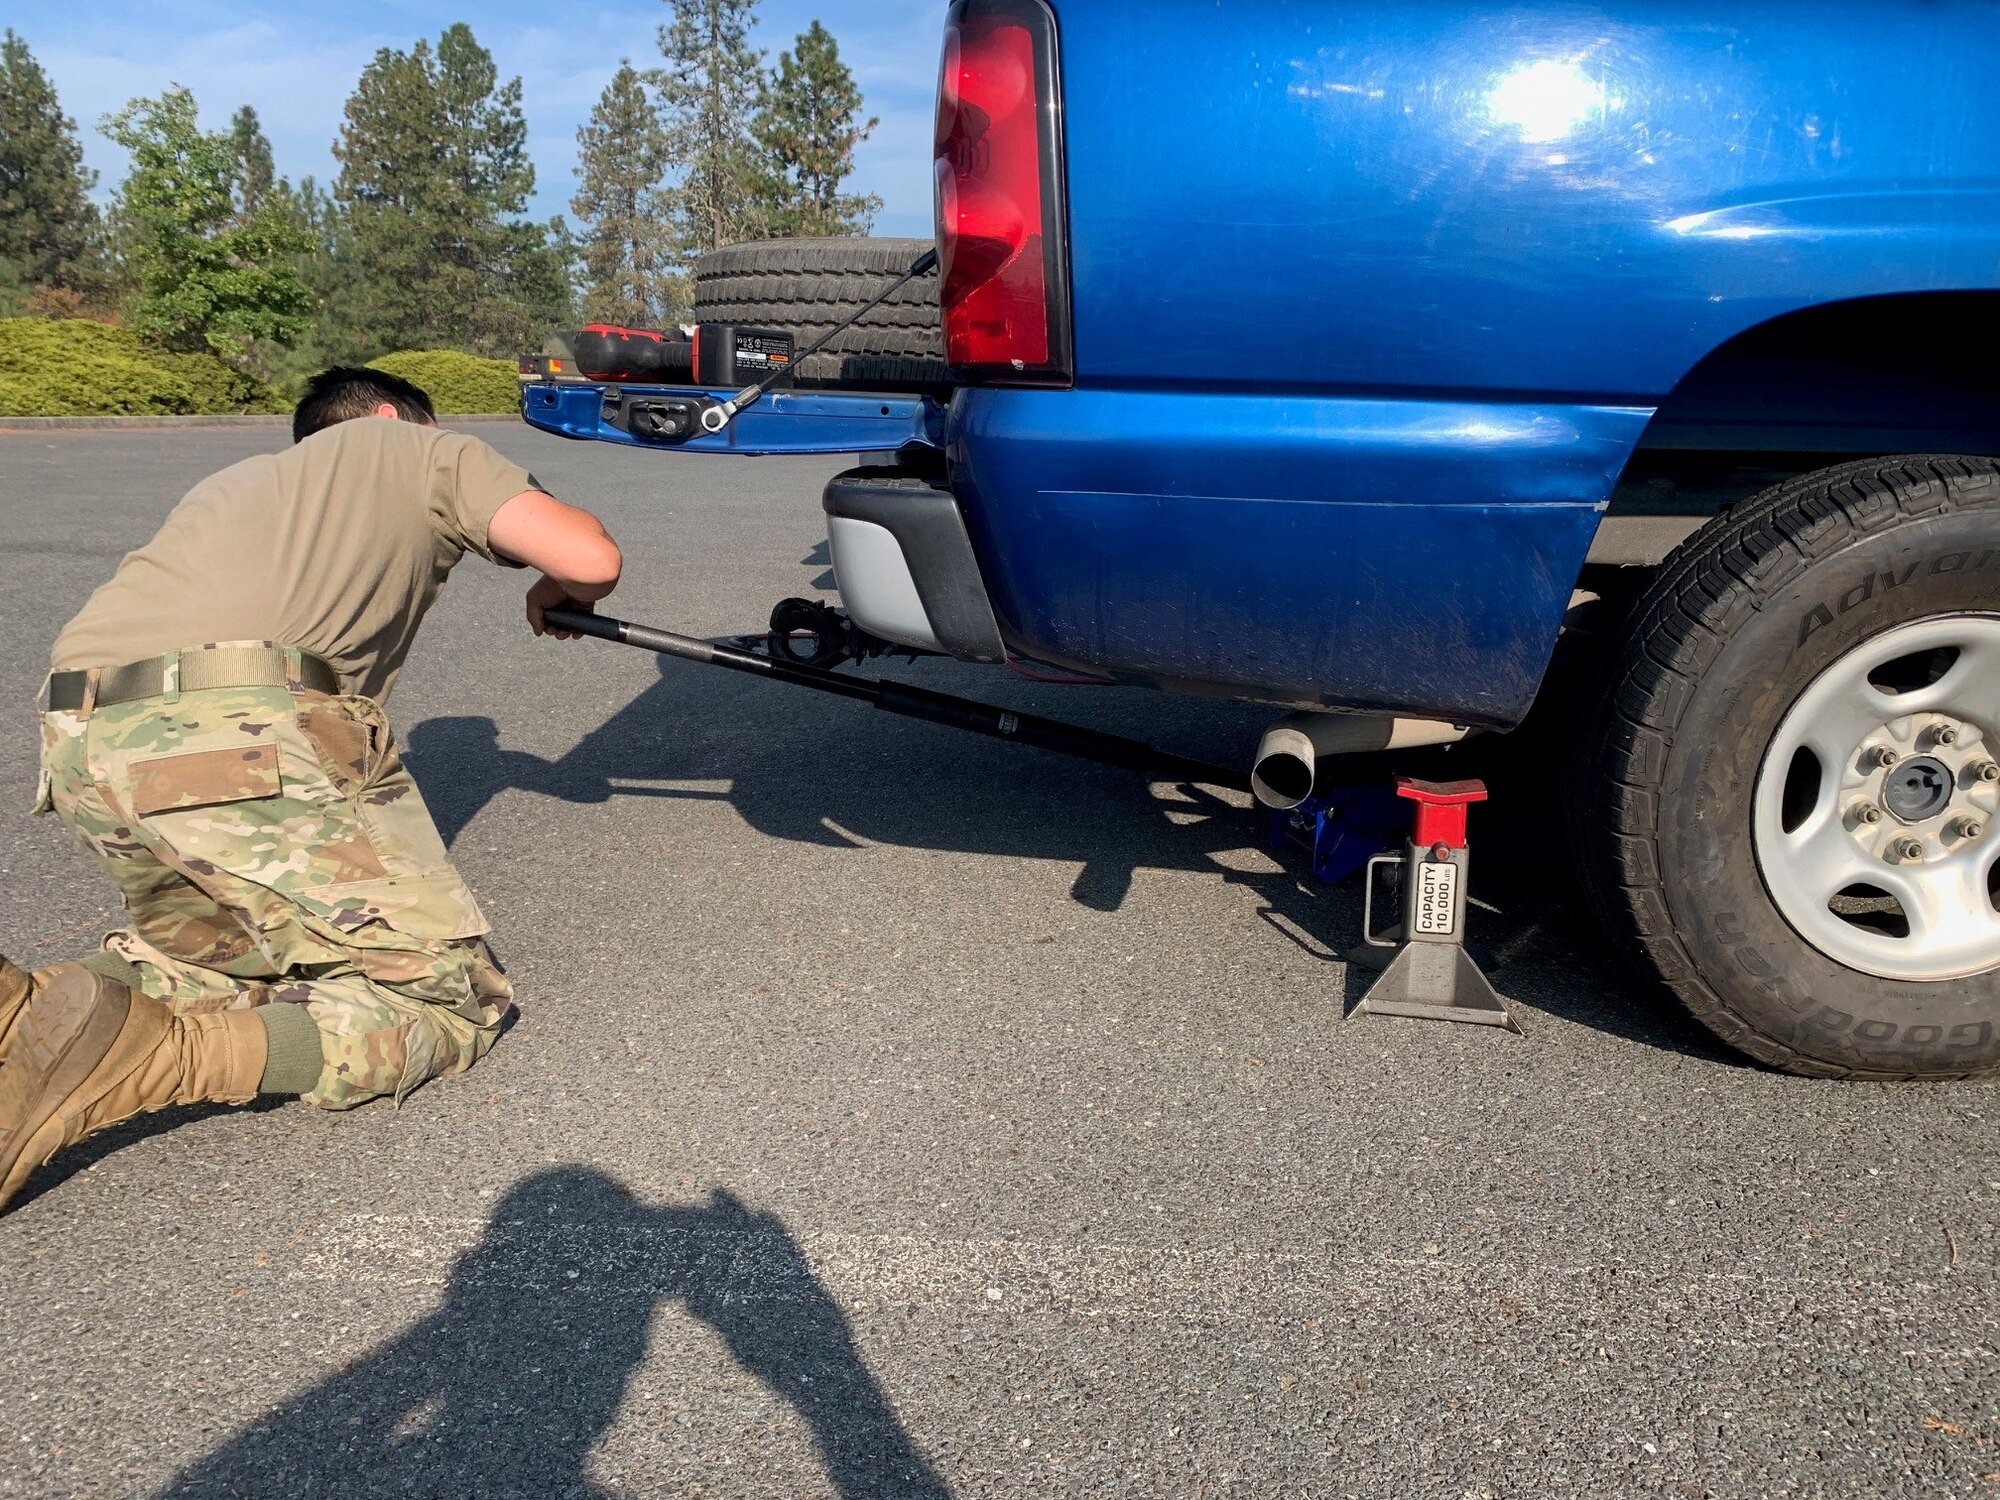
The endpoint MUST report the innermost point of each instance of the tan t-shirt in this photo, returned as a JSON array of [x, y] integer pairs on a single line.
[[339, 544]]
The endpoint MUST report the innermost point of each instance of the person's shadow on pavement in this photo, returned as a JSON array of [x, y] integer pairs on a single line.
[[462, 767], [505, 1389]]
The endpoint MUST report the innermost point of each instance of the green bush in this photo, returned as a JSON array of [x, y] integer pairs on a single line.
[[71, 367], [220, 387], [79, 369], [462, 384]]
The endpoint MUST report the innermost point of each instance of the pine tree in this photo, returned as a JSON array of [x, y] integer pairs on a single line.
[[48, 225], [628, 248], [380, 196], [806, 127], [709, 89], [255, 173], [434, 173], [204, 279], [322, 265]]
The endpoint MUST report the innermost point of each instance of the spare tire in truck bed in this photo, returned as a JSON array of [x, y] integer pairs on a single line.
[[804, 287]]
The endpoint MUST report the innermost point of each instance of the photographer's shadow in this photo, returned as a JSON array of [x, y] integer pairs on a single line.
[[507, 1387]]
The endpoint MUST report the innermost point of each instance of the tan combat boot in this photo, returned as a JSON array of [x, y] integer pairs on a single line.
[[87, 1053], [15, 987]]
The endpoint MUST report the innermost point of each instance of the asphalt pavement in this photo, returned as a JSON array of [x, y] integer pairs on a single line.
[[898, 1113]]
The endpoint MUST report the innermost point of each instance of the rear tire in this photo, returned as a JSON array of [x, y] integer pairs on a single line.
[[1731, 873], [805, 287]]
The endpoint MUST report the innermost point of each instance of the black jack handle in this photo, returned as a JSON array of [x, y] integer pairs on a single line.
[[913, 702]]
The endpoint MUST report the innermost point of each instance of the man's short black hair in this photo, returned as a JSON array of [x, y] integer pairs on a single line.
[[346, 392]]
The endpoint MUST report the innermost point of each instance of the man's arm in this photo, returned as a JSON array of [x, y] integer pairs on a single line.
[[578, 560]]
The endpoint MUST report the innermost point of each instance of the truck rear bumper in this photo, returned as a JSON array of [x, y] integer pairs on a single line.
[[905, 566]]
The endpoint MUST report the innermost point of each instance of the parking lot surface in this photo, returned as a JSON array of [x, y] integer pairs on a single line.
[[898, 1113]]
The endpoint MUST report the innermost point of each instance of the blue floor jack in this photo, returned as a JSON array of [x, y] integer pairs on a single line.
[[1425, 970]]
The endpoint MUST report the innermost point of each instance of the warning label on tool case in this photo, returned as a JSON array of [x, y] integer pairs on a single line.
[[761, 352], [1437, 896]]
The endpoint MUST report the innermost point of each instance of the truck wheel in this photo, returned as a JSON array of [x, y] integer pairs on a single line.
[[804, 287], [1790, 797]]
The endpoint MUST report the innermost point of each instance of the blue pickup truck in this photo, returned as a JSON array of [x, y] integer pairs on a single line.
[[1347, 358]]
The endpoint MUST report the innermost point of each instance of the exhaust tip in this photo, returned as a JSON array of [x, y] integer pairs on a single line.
[[1282, 780], [1289, 755]]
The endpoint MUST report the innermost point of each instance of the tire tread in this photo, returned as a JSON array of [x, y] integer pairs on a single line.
[[1675, 630], [806, 287]]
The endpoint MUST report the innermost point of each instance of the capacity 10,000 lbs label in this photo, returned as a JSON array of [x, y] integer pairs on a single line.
[[1437, 895]]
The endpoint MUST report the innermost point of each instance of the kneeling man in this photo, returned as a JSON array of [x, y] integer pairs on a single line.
[[212, 733]]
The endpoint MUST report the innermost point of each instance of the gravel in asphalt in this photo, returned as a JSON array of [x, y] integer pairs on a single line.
[[895, 1113]]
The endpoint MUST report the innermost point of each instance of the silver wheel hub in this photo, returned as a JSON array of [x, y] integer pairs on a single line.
[[1918, 789], [1875, 811]]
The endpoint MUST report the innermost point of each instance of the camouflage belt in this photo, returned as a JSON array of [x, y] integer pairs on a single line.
[[190, 672]]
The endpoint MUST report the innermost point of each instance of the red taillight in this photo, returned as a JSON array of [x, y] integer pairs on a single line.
[[999, 214]]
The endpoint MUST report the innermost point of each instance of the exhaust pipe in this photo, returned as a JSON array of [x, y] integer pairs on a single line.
[[1288, 756]]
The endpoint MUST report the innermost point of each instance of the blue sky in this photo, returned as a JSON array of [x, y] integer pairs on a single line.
[[296, 64]]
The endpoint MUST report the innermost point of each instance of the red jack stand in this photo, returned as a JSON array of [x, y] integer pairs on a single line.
[[1431, 975]]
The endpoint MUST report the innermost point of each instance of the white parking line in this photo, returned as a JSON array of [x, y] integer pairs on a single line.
[[678, 1252]]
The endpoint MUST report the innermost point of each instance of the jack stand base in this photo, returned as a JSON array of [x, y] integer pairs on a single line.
[[1378, 955], [1436, 982]]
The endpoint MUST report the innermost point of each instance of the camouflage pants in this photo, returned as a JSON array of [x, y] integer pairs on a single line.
[[272, 850]]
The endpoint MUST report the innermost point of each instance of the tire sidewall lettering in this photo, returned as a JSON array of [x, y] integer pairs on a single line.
[[1824, 610], [1750, 956]]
